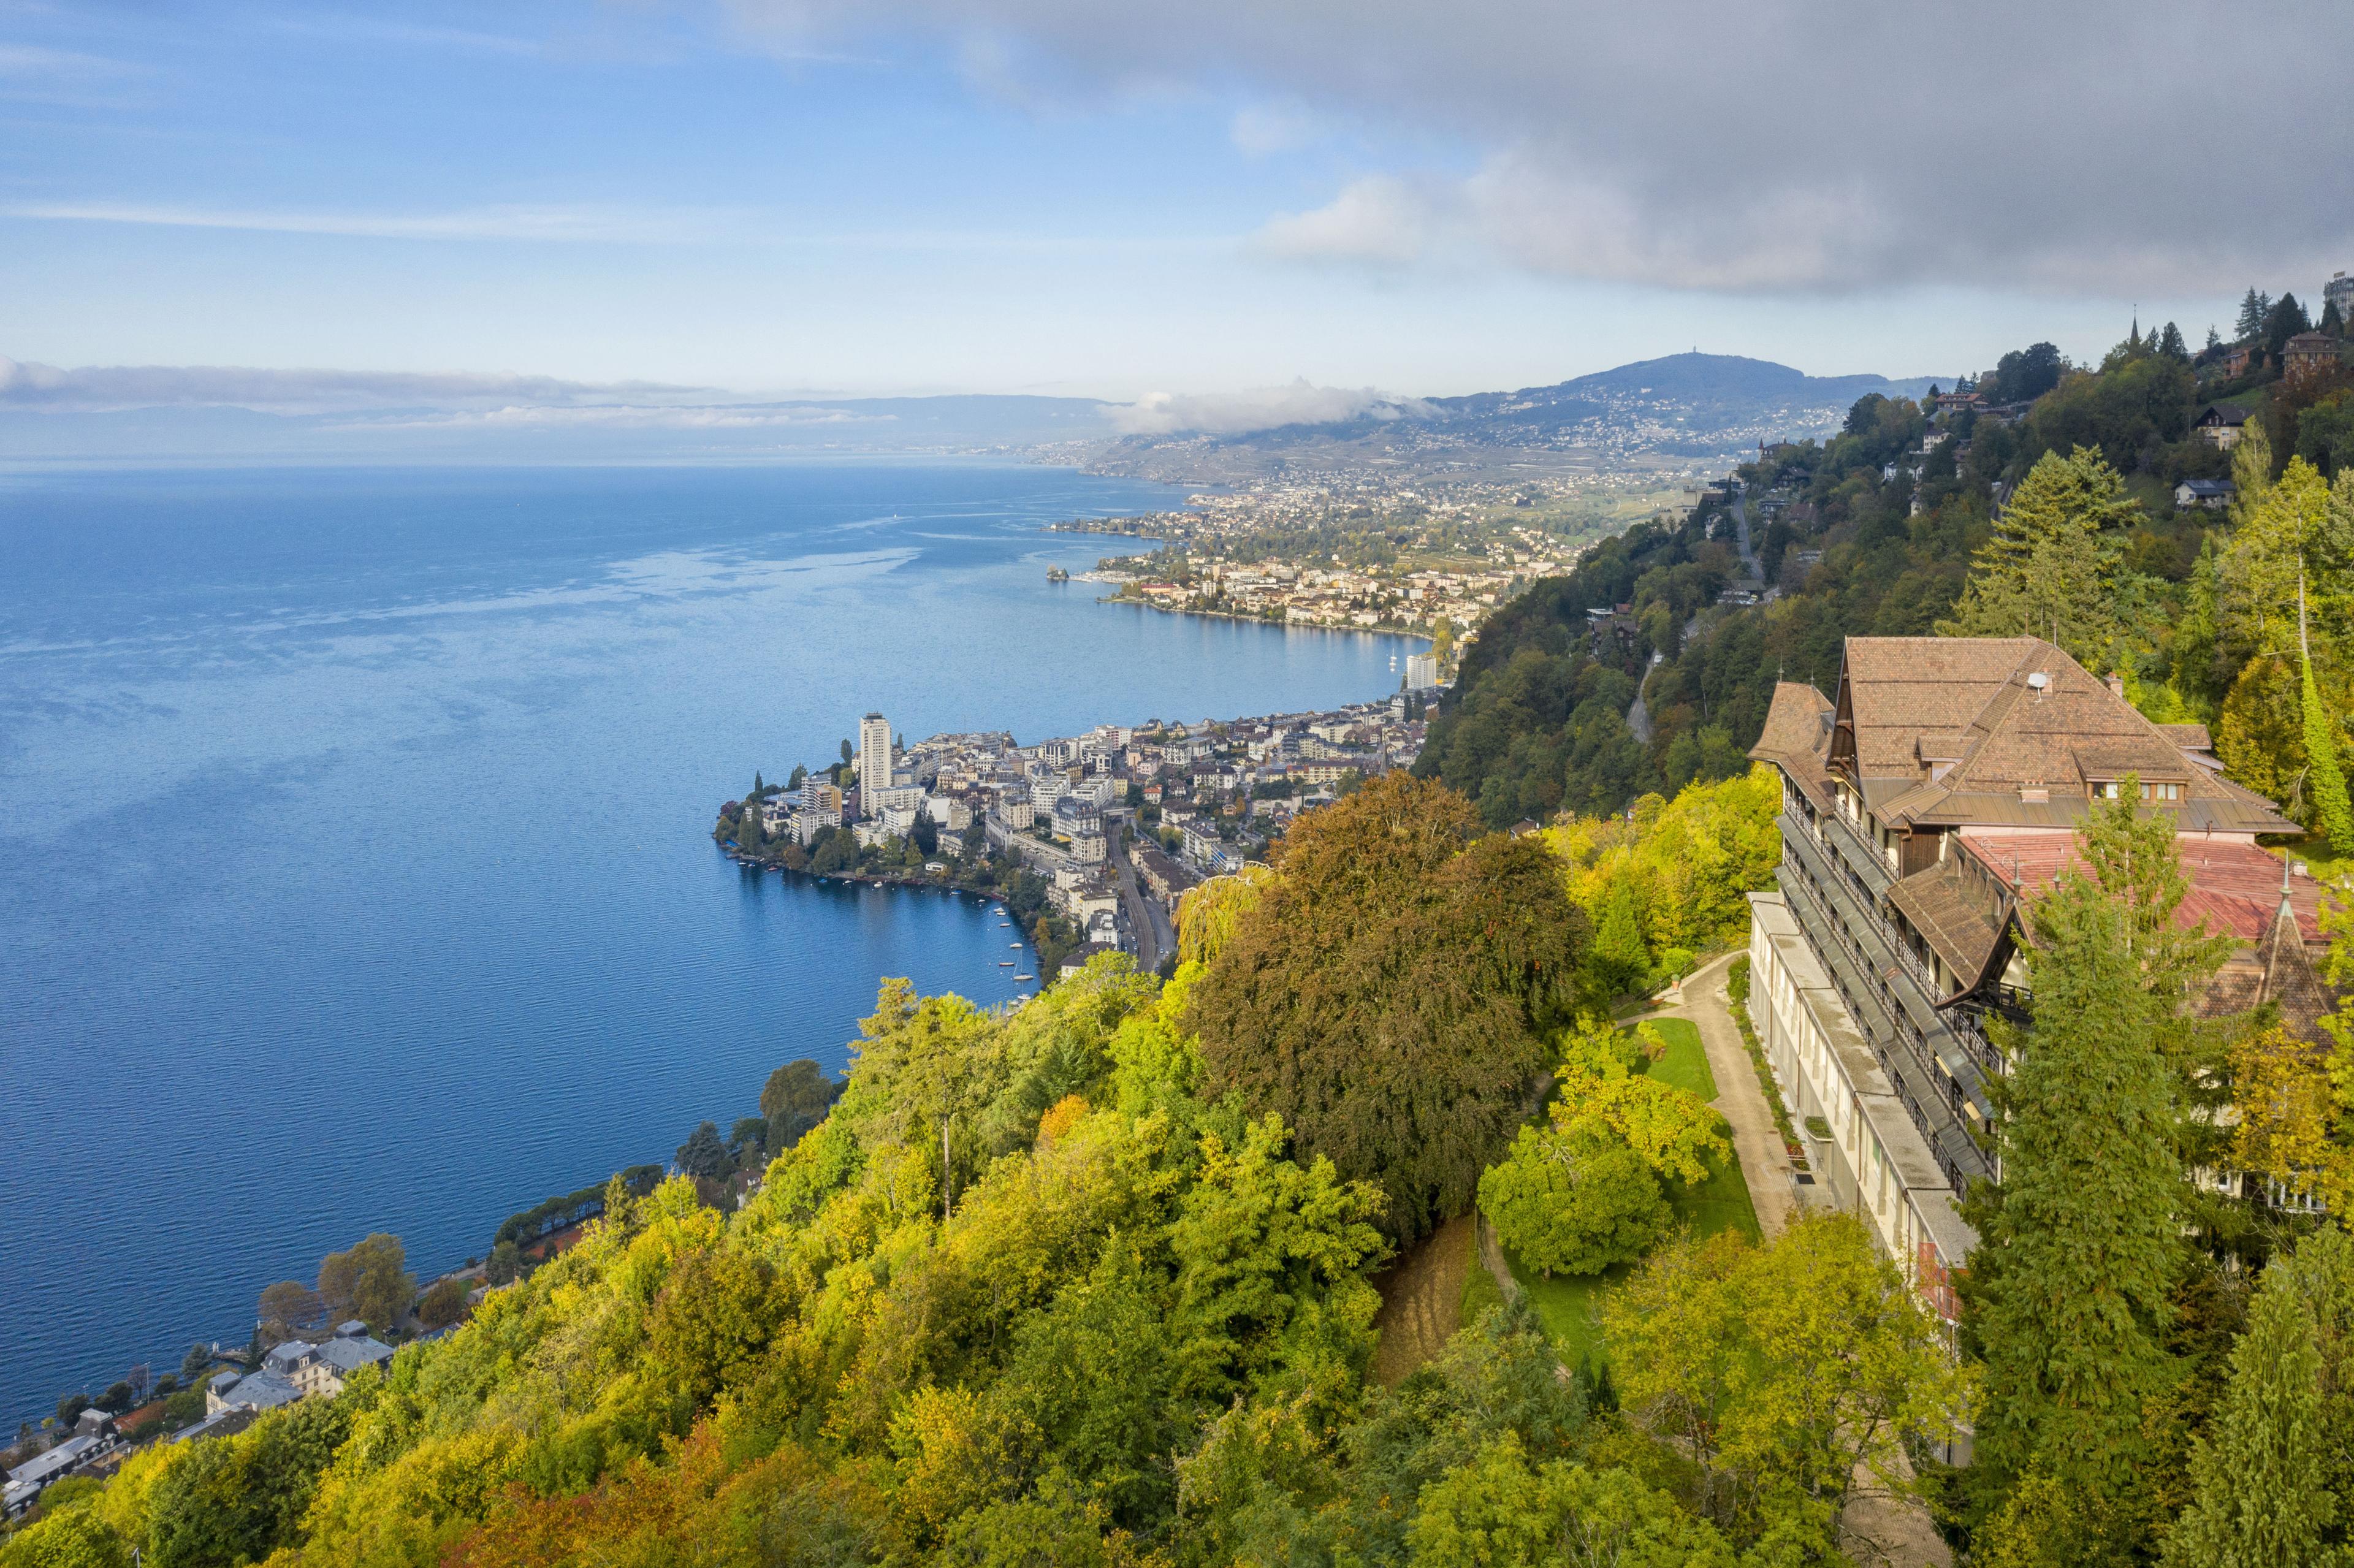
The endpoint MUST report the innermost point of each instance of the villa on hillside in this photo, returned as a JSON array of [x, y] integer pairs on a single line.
[[1924, 806]]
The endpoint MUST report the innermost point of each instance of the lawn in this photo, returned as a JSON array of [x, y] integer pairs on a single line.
[[1686, 1064], [1569, 1306]]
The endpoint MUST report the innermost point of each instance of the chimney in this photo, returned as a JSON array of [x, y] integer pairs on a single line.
[[2118, 684]]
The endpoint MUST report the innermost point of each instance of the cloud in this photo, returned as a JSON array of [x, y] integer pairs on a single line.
[[98, 388], [555, 224], [1263, 130], [1262, 408], [1730, 144], [1379, 220], [629, 417]]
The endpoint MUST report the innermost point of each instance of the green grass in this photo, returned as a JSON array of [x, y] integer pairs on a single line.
[[1686, 1064], [1481, 1290]]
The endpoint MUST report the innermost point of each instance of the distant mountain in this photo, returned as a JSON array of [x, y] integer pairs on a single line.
[[1653, 413]]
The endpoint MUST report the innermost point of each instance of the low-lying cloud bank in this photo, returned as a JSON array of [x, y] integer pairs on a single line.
[[96, 388], [1260, 409]]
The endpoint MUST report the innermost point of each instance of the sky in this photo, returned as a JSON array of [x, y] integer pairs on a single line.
[[1188, 197]]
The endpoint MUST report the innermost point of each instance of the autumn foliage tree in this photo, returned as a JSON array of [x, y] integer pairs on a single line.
[[1386, 992]]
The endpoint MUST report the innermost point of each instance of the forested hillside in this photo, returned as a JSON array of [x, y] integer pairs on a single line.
[[1876, 532], [1092, 1282]]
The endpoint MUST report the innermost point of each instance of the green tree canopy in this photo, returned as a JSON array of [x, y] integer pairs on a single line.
[[1388, 991], [1572, 1203], [2053, 565]]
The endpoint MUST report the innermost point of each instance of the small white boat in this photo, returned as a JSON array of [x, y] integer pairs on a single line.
[[1012, 944], [1025, 977], [1005, 963]]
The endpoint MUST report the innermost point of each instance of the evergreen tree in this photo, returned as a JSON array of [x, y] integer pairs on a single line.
[[2170, 343], [2082, 1241], [2327, 812], [1621, 961], [2253, 307], [2054, 567], [705, 1155], [2214, 338], [749, 834], [2269, 1473], [799, 775]]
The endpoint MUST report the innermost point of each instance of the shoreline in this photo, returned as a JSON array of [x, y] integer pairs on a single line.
[[1409, 632]]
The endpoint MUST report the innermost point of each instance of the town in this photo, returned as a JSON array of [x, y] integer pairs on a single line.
[[1089, 839]]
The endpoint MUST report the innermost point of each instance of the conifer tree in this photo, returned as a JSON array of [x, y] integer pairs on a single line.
[[2252, 316], [2082, 1241], [2054, 567], [2331, 814], [2269, 1471], [1621, 961]]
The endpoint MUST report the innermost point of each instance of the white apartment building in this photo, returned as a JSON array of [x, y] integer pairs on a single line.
[[874, 752]]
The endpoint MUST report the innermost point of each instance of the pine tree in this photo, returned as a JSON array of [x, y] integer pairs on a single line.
[[2170, 343], [2214, 338], [2263, 1473], [2054, 567], [2082, 1241], [2251, 317]]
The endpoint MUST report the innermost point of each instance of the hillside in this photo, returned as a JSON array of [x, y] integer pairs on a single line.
[[1874, 532], [1653, 414]]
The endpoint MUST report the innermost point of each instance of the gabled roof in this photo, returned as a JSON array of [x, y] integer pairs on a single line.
[[1991, 731]]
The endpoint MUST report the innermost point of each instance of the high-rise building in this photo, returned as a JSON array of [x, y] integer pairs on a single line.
[[2340, 291], [873, 754]]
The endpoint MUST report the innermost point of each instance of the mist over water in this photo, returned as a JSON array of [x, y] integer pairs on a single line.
[[353, 860]]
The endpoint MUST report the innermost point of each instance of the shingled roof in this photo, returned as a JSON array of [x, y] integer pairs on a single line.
[[1940, 732]]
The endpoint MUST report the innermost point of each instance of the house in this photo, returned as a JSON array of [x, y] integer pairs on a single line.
[[2308, 354], [2219, 424], [1924, 805], [2213, 494], [29, 1480], [321, 1368], [256, 1390], [2238, 360]]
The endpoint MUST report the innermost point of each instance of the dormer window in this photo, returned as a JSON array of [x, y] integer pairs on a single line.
[[2164, 792]]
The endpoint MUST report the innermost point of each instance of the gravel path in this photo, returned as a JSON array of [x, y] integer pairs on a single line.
[[1765, 1161]]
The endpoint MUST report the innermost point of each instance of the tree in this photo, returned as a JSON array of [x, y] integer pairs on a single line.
[[2271, 1475], [2251, 324], [1387, 991], [70, 1408], [1792, 1374], [710, 1320], [1576, 1203], [795, 1099], [2054, 567], [750, 834], [285, 1304], [1620, 962], [443, 1304], [370, 1282], [193, 1364], [703, 1156], [1673, 1131], [2170, 343], [800, 775], [2214, 338], [1500, 1511], [2081, 1242], [504, 1263]]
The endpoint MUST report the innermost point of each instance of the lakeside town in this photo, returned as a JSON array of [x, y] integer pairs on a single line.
[[1087, 842]]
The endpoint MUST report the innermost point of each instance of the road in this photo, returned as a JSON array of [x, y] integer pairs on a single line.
[[1740, 530], [1146, 922]]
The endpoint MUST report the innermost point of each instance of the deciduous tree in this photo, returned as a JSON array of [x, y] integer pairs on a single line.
[[1572, 1204], [1386, 993]]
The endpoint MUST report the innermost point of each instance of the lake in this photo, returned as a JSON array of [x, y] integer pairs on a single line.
[[354, 867]]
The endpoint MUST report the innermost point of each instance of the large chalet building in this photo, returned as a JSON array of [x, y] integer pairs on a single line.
[[1924, 805]]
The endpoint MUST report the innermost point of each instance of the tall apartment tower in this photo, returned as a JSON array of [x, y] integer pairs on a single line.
[[874, 756]]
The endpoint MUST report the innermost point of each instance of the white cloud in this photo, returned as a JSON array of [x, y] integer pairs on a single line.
[[1263, 130], [557, 224], [1379, 220], [1260, 409], [628, 417], [1724, 144], [94, 387]]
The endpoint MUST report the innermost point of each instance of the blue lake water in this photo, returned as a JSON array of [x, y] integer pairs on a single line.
[[354, 859]]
